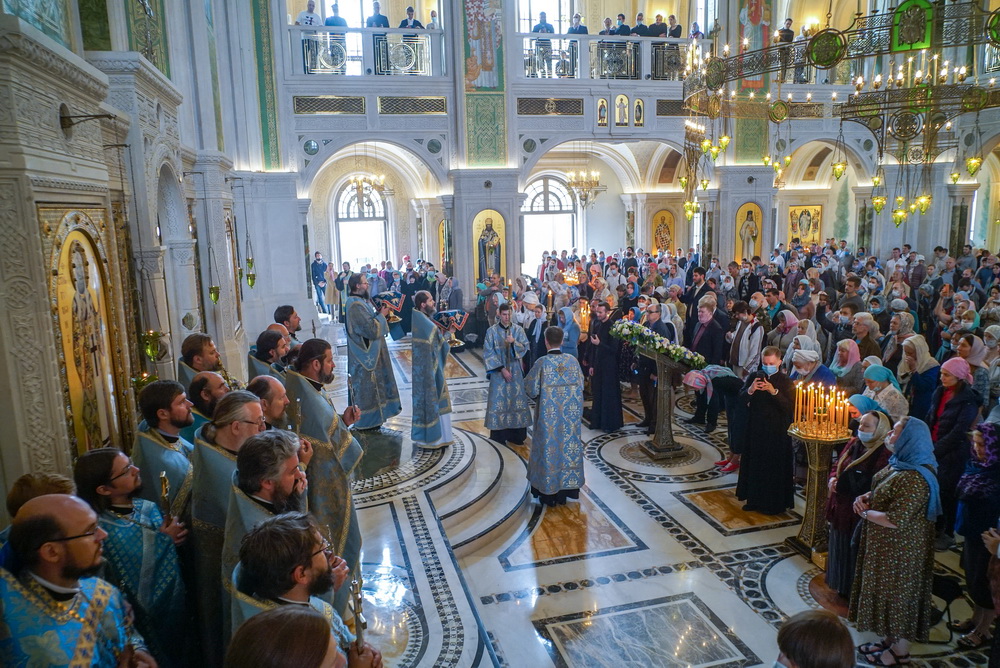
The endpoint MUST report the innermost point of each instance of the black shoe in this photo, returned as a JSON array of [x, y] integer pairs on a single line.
[[694, 420], [749, 508], [710, 428], [641, 425]]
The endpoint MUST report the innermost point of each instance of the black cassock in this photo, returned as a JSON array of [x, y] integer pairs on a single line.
[[606, 411], [766, 467]]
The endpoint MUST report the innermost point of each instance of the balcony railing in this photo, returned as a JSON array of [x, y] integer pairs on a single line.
[[366, 51], [608, 57]]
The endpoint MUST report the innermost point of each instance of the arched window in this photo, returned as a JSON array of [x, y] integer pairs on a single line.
[[361, 224], [549, 215], [548, 195]]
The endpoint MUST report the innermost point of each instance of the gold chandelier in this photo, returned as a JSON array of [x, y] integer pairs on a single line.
[[586, 185], [363, 183]]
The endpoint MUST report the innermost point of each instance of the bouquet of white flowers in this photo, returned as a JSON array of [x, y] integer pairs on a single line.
[[643, 337]]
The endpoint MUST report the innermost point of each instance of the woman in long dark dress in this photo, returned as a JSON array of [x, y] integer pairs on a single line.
[[978, 510], [766, 466], [891, 595], [606, 410], [862, 457]]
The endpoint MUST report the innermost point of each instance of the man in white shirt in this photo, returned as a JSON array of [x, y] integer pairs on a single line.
[[310, 42]]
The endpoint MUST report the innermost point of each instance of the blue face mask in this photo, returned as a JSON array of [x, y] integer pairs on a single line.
[[620, 22], [866, 436], [877, 310], [770, 369]]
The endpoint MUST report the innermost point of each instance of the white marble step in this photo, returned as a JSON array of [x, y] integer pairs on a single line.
[[506, 510], [465, 495]]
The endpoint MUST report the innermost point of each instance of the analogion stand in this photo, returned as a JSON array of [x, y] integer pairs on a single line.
[[811, 542], [663, 446], [821, 424]]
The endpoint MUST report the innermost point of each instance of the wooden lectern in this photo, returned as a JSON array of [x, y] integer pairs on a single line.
[[668, 372]]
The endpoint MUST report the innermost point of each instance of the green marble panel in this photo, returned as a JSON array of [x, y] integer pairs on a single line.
[[147, 34], [266, 90], [94, 25], [486, 130]]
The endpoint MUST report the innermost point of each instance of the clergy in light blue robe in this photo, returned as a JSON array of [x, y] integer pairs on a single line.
[[244, 514], [214, 467], [508, 413], [154, 452], [555, 465], [259, 368], [91, 629], [335, 455], [372, 382], [142, 561], [431, 426], [188, 433], [244, 605], [185, 374]]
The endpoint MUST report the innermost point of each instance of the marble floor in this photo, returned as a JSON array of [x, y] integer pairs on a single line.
[[656, 565]]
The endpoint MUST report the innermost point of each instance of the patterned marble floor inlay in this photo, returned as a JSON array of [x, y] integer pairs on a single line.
[[671, 631], [581, 529], [403, 357], [720, 507]]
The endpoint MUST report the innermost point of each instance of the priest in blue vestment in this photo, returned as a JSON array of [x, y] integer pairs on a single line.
[[205, 391], [508, 413], [285, 560], [198, 353], [371, 380], [54, 612], [238, 416], [336, 452], [265, 358], [431, 426], [159, 446], [555, 465], [140, 551]]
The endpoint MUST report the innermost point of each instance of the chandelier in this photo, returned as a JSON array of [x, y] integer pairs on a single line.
[[586, 185], [366, 183]]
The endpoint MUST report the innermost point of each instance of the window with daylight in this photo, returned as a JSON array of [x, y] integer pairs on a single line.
[[361, 226], [549, 215], [557, 12]]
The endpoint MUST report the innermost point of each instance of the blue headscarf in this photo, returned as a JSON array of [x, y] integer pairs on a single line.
[[914, 451], [571, 330], [881, 374], [865, 404]]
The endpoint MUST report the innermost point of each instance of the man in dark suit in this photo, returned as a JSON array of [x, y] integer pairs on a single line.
[[577, 28], [646, 368], [409, 21], [629, 260], [318, 268], [622, 27], [377, 20], [698, 289], [640, 29]]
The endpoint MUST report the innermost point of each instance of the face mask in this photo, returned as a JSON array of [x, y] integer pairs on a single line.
[[844, 319], [714, 265], [990, 343], [890, 445], [744, 271], [877, 309], [966, 325], [620, 22], [728, 285], [770, 369], [754, 304], [897, 293], [866, 436]]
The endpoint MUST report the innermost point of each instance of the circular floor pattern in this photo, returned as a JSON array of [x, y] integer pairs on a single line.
[[684, 403], [619, 453]]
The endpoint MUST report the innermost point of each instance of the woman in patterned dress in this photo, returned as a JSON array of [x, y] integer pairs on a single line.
[[892, 584]]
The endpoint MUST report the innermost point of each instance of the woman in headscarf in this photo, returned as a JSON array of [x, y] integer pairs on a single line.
[[881, 314], [860, 404], [601, 291], [847, 367], [883, 388], [783, 335], [918, 373], [954, 407], [675, 320], [900, 327], [978, 510], [871, 360], [571, 332], [972, 349], [707, 400], [991, 337], [861, 458], [891, 595], [808, 368], [800, 342], [802, 300]]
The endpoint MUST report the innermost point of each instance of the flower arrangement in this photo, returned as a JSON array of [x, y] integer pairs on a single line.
[[643, 337]]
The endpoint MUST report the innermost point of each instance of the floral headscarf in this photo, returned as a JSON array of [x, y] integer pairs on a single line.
[[981, 479]]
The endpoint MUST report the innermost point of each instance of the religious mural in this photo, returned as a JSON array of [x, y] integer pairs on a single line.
[[82, 301], [755, 18], [483, 64], [489, 244], [663, 231], [639, 115], [805, 223], [602, 113], [749, 223]]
